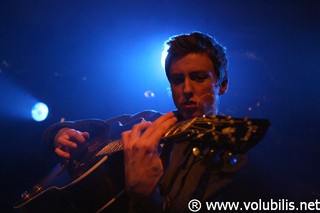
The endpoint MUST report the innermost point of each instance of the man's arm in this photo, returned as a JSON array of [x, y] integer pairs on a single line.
[[143, 166], [68, 135], [74, 132]]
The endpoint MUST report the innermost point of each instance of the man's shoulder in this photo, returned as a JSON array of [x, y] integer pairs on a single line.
[[126, 121], [148, 115]]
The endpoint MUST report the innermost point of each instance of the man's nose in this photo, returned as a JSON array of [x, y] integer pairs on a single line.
[[188, 89]]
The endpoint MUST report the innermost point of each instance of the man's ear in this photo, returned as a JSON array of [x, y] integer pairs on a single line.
[[224, 87]]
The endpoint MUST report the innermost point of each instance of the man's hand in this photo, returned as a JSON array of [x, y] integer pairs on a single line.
[[143, 166], [68, 141]]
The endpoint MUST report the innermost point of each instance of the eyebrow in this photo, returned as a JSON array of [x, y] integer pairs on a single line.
[[192, 72], [195, 71]]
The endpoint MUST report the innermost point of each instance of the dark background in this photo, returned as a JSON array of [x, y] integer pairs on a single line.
[[96, 59]]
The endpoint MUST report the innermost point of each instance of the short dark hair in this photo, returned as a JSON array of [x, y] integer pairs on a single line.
[[197, 42]]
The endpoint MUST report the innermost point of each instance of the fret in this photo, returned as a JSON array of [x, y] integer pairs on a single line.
[[110, 148]]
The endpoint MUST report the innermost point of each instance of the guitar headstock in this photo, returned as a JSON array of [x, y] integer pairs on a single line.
[[220, 133]]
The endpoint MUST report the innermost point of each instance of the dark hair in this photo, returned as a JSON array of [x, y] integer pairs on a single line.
[[197, 42]]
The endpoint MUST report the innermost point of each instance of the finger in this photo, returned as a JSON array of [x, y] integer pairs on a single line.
[[157, 129], [86, 135], [158, 122], [163, 118], [62, 153], [137, 129], [70, 138], [125, 137], [65, 142], [77, 136]]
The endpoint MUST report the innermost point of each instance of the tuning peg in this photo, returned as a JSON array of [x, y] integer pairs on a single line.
[[196, 151]]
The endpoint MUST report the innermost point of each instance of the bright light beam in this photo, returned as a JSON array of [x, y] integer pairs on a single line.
[[164, 55], [39, 111]]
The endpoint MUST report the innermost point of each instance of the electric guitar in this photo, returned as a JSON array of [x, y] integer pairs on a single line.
[[93, 181]]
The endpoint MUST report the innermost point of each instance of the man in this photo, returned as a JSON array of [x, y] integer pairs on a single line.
[[165, 180]]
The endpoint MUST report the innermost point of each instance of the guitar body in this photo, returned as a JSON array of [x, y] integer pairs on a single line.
[[97, 182], [88, 193]]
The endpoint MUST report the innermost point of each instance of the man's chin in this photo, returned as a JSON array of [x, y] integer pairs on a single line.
[[190, 114]]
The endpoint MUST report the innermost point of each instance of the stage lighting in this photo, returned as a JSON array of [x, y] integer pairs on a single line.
[[164, 55], [149, 94], [39, 111]]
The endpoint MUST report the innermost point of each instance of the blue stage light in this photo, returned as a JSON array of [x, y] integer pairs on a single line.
[[149, 94], [164, 55], [39, 111]]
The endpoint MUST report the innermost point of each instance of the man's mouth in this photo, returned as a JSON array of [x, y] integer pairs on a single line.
[[190, 105]]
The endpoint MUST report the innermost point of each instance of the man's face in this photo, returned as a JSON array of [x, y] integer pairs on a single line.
[[194, 86]]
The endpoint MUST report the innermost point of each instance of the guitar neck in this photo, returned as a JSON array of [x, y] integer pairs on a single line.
[[227, 132], [172, 133], [111, 147]]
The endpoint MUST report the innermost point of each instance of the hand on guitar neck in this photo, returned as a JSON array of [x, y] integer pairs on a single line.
[[143, 166]]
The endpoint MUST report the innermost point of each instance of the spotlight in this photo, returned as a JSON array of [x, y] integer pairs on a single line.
[[39, 112]]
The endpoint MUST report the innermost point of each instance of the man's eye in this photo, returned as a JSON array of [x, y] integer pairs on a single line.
[[177, 80], [199, 78]]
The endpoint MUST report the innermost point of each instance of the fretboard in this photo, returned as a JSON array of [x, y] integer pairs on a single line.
[[111, 147]]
